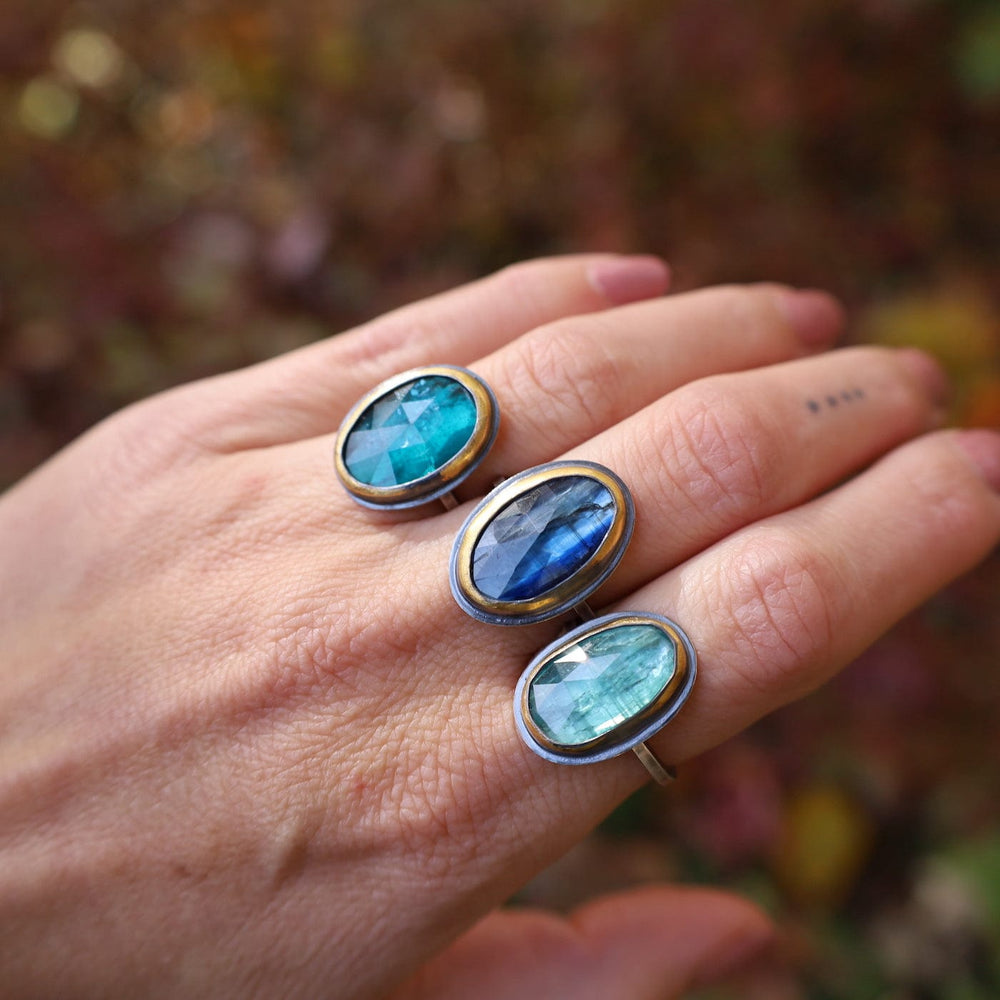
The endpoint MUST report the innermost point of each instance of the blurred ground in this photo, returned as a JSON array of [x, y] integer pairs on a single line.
[[191, 186]]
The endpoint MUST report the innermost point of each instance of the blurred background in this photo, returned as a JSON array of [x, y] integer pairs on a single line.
[[192, 186]]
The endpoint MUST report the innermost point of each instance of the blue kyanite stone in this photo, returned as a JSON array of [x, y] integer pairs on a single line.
[[410, 432], [602, 680], [542, 538]]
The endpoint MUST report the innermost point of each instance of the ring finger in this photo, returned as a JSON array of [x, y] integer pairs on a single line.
[[727, 451]]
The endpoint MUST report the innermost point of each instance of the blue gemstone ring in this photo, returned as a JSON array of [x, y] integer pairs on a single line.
[[415, 437], [605, 688], [541, 542]]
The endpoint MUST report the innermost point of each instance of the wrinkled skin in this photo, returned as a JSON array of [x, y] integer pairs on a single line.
[[249, 745]]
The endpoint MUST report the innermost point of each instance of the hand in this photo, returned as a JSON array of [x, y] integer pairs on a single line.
[[250, 746]]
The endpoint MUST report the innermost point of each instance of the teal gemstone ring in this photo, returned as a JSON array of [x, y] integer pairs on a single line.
[[415, 437], [605, 688], [541, 542]]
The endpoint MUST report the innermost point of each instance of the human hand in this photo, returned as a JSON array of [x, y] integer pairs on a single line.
[[249, 745]]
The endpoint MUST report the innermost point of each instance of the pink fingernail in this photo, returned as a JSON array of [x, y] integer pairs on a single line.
[[817, 317], [628, 279], [983, 448]]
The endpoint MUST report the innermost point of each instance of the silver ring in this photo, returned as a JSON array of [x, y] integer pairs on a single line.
[[415, 437], [604, 688]]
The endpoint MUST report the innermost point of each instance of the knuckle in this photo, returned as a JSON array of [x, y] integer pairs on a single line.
[[524, 281], [574, 371], [723, 454], [781, 610], [141, 442], [748, 308], [379, 341]]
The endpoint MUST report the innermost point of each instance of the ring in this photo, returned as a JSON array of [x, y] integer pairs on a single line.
[[415, 437], [604, 688], [541, 542]]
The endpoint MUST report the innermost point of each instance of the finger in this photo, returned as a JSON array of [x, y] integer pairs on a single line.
[[562, 383], [307, 392], [773, 611], [723, 452], [777, 608], [649, 942]]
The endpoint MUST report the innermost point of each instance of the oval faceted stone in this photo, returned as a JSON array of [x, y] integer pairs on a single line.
[[540, 539], [604, 679], [410, 432]]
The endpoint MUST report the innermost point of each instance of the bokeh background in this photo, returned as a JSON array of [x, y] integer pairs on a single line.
[[190, 186]]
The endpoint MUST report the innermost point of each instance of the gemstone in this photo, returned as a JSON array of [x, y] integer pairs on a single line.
[[542, 538], [411, 432], [590, 687]]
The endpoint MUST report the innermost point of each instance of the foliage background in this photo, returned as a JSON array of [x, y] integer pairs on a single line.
[[191, 186]]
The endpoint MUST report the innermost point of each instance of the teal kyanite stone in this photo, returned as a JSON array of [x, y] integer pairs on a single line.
[[604, 679], [410, 432]]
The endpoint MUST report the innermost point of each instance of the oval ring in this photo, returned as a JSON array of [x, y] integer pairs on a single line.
[[604, 688], [415, 437], [541, 543]]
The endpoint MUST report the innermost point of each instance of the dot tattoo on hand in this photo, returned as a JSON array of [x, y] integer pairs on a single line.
[[831, 401]]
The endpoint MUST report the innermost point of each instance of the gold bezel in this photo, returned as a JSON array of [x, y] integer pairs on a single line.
[[618, 738], [569, 592], [452, 472]]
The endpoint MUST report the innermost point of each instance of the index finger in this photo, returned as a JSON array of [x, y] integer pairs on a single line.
[[306, 393]]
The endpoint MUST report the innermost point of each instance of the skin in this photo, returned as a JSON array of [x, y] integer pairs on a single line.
[[249, 745]]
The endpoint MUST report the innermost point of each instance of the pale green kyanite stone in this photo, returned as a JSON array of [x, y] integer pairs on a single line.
[[605, 679]]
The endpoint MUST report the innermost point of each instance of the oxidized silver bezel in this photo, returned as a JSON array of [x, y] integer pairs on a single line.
[[573, 591], [631, 732], [441, 481]]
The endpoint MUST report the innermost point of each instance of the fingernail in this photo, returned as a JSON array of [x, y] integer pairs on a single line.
[[983, 448], [927, 370], [628, 279], [738, 952], [817, 317]]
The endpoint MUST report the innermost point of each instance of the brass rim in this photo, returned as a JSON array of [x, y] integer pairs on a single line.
[[571, 591], [452, 472], [630, 731]]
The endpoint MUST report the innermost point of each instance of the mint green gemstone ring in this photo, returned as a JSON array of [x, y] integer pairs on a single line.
[[605, 688], [415, 437]]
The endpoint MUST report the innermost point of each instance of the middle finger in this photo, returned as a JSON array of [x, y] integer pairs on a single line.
[[566, 381]]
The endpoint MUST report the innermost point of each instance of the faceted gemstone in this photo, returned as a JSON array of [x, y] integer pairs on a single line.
[[542, 538], [410, 432], [602, 680]]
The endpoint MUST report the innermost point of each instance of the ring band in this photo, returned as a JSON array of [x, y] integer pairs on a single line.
[[658, 771], [604, 688], [415, 437]]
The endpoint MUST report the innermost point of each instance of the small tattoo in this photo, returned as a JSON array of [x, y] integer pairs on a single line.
[[833, 400]]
